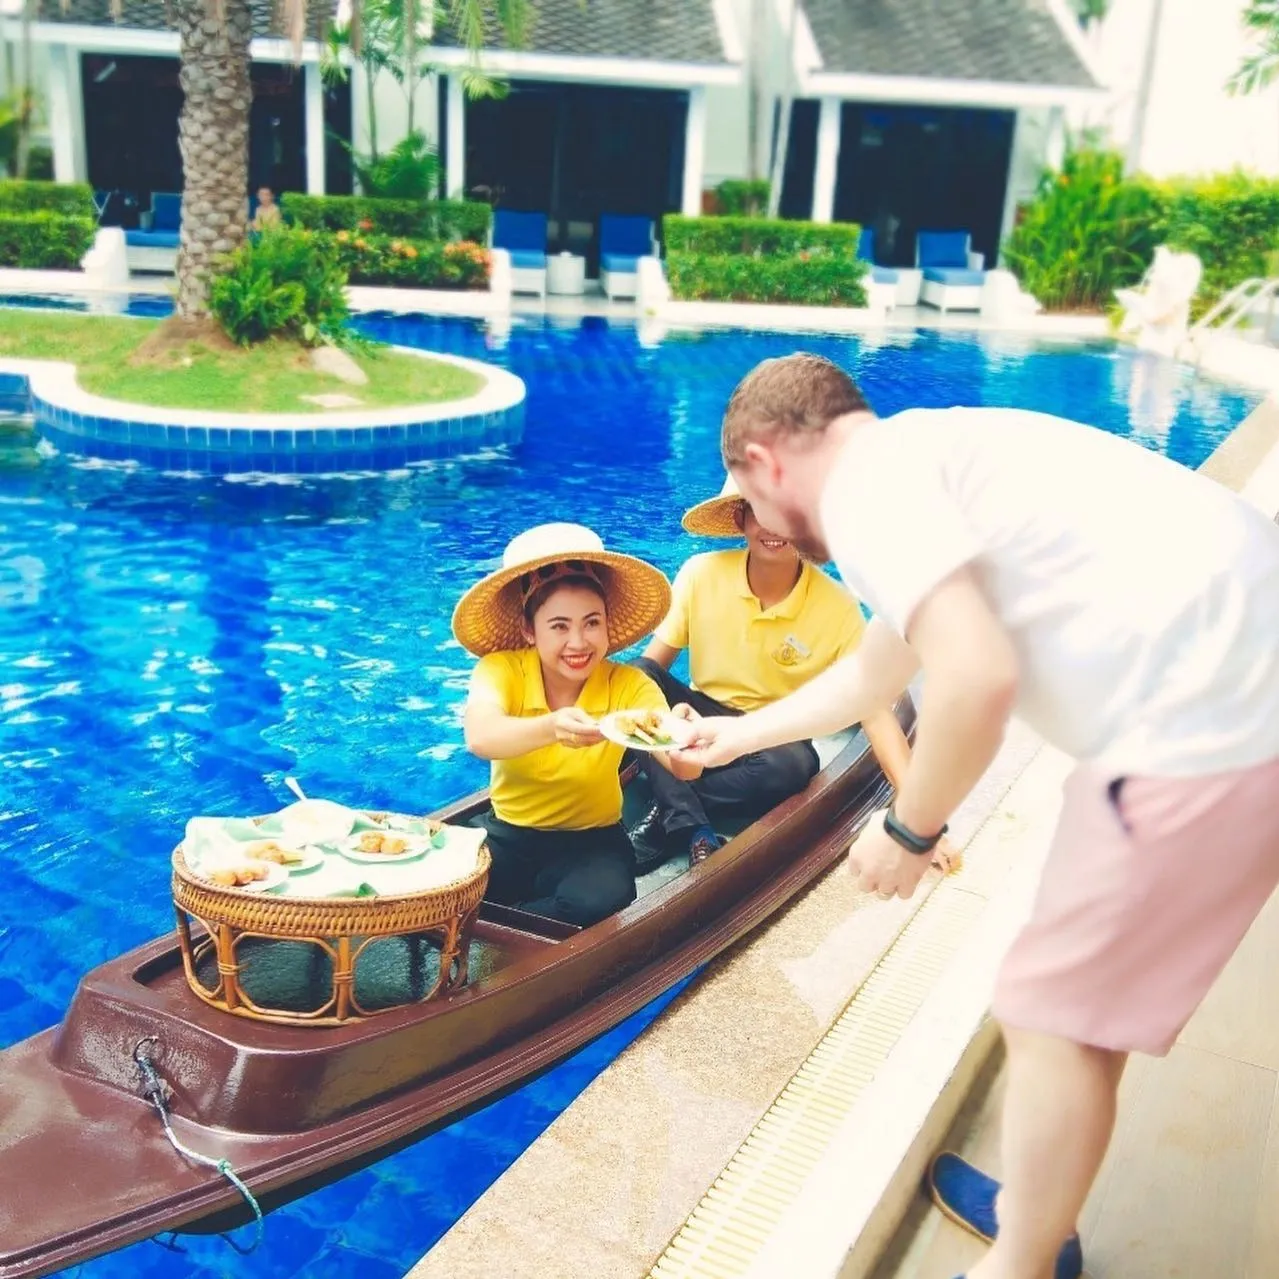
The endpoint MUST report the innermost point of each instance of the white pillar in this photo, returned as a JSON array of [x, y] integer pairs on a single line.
[[694, 153], [66, 114], [1055, 142], [313, 93], [455, 178], [826, 170], [359, 110]]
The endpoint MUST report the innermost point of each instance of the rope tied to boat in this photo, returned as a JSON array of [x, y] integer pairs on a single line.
[[155, 1090]]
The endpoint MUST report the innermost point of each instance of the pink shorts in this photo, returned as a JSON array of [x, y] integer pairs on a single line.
[[1150, 886]]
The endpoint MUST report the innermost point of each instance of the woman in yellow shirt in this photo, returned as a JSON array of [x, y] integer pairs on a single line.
[[543, 627]]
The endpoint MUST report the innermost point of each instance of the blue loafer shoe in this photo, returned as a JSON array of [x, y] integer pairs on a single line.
[[967, 1196]]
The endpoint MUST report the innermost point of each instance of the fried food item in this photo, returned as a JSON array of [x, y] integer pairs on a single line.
[[270, 851], [646, 726], [237, 876], [388, 845]]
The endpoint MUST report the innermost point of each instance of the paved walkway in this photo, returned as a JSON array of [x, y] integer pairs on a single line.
[[1190, 1188]]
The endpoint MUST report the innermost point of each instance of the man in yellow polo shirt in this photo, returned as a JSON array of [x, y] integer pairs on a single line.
[[758, 622]]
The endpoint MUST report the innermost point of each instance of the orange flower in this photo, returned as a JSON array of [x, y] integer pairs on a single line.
[[343, 236], [365, 224], [410, 251], [360, 244]]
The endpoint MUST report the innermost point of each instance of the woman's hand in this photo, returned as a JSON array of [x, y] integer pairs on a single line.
[[682, 710], [574, 728]]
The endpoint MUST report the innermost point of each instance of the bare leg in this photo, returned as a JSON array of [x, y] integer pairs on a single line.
[[1059, 1111]]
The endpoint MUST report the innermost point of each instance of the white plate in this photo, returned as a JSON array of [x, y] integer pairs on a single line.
[[276, 876], [312, 858], [419, 846], [314, 821], [680, 729]]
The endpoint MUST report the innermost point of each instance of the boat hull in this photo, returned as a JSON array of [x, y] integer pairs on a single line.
[[85, 1167]]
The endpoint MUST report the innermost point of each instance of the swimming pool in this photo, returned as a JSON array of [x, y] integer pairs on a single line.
[[174, 645]]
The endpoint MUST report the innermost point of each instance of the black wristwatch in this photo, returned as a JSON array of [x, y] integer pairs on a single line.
[[912, 843]]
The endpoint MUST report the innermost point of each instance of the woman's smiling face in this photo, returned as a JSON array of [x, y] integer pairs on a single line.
[[569, 629]]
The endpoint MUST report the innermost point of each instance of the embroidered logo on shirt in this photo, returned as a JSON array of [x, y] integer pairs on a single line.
[[791, 652]]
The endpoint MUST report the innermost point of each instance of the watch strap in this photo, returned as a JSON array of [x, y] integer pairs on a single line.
[[903, 835]]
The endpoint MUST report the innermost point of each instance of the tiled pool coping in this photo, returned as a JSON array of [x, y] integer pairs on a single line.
[[219, 443]]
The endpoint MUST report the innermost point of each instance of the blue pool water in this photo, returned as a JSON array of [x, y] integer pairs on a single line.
[[171, 646]]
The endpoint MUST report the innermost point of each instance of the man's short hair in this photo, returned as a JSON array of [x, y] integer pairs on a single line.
[[786, 396]]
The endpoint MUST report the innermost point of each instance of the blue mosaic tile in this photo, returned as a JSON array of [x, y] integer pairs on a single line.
[[176, 435], [343, 437], [363, 436], [197, 437], [219, 437], [284, 441], [414, 430], [304, 440]]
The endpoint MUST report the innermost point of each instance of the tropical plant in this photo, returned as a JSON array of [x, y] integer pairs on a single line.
[[410, 170], [1088, 231], [281, 283], [213, 127], [1090, 11], [742, 198], [1259, 69]]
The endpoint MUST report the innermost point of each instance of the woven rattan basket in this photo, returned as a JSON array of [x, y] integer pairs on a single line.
[[342, 928]]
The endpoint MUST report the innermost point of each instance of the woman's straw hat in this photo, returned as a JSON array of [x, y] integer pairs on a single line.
[[717, 516], [489, 618]]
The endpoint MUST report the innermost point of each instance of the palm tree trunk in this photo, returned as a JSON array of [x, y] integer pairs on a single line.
[[213, 135]]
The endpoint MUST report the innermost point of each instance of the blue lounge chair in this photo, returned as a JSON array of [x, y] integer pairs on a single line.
[[154, 247], [623, 241], [523, 236], [866, 253], [953, 273]]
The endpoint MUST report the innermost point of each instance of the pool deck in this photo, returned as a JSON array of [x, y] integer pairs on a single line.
[[775, 1120]]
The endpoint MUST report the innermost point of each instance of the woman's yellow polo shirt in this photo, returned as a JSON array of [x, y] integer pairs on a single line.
[[745, 656], [559, 787]]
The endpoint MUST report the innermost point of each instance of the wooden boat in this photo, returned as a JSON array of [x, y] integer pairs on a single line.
[[86, 1167]]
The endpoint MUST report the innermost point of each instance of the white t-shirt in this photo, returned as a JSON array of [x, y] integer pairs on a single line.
[[1143, 599]]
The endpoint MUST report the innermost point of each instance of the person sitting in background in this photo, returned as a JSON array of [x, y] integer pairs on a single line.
[[758, 622], [543, 627], [268, 214]]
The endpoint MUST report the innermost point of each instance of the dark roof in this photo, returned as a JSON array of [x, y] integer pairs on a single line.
[[655, 30], [155, 15], [1017, 41]]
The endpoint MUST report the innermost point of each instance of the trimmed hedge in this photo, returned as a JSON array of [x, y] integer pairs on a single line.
[[72, 199], [823, 280], [419, 264], [44, 240], [758, 236], [418, 219], [764, 260]]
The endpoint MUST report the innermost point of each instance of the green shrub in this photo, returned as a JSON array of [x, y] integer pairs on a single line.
[[418, 219], [281, 283], [419, 264], [72, 199], [811, 279], [42, 239], [738, 197], [758, 236], [410, 170], [1230, 221], [1088, 231], [40, 163]]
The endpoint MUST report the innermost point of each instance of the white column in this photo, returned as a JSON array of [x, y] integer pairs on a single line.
[[313, 92], [75, 98], [694, 152], [359, 110], [826, 169], [1055, 141], [66, 116], [455, 178]]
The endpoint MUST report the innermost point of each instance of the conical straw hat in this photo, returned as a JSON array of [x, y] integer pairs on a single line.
[[489, 618], [717, 516]]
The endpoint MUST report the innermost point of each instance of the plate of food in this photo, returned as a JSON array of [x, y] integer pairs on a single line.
[[314, 821], [252, 875], [384, 848], [650, 730], [296, 861]]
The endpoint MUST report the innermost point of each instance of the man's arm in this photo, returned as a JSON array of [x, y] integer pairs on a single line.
[[888, 744], [661, 652], [971, 672], [869, 679]]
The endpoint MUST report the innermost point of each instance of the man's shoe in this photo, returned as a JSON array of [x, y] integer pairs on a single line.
[[967, 1197], [651, 842], [703, 843]]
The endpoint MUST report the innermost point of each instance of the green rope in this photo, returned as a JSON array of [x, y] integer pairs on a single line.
[[153, 1089]]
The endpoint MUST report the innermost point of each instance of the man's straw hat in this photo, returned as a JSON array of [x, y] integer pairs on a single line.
[[489, 618], [717, 516]]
